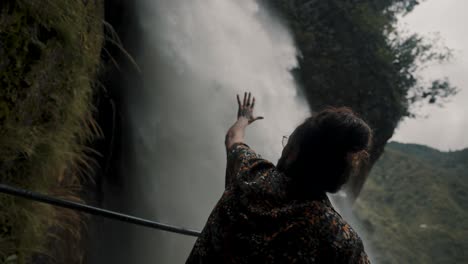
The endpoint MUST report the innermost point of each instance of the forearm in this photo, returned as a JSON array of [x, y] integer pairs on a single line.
[[236, 133]]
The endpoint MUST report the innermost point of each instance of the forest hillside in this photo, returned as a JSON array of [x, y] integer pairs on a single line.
[[415, 205]]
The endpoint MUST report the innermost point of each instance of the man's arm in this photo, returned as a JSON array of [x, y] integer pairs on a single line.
[[245, 117]]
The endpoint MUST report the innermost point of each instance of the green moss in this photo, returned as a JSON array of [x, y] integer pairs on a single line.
[[50, 52]]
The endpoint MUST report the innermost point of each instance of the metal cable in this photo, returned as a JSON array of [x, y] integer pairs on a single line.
[[94, 210]]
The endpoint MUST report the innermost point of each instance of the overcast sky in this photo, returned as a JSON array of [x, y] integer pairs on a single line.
[[444, 128]]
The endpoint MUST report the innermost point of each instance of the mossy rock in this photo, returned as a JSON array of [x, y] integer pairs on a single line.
[[49, 57]]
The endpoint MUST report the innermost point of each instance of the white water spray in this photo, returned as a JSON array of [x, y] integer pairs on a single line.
[[197, 55]]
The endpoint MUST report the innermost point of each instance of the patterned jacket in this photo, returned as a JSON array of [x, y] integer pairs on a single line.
[[257, 221]]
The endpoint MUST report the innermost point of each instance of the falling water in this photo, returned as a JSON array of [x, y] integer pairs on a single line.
[[196, 56]]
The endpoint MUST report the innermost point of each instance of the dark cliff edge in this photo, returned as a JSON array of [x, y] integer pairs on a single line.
[[120, 72]]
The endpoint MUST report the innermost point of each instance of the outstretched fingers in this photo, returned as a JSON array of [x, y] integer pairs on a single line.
[[248, 101], [246, 107]]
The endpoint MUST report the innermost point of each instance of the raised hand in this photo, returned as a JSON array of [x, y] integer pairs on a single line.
[[246, 108]]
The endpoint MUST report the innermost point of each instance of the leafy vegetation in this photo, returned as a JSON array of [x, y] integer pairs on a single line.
[[49, 53], [351, 54], [414, 206]]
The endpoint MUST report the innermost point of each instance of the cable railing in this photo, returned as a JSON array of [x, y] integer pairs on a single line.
[[38, 197]]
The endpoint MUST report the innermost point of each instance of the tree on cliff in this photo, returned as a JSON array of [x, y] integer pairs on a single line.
[[351, 54]]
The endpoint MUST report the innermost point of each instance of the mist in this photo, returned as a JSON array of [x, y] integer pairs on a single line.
[[195, 57]]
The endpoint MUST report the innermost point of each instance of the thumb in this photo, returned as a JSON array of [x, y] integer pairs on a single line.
[[257, 118]]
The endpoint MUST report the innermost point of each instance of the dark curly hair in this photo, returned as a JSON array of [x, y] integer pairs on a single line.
[[328, 146]]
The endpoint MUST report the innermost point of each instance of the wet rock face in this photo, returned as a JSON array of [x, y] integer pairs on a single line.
[[103, 243]]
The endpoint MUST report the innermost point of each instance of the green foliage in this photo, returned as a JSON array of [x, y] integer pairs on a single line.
[[414, 206], [351, 51], [49, 53], [351, 54]]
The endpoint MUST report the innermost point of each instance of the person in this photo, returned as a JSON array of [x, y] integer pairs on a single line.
[[281, 214]]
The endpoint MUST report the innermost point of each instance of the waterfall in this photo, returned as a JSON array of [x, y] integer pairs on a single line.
[[195, 57]]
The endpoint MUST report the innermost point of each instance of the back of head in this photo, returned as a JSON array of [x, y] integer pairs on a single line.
[[329, 145]]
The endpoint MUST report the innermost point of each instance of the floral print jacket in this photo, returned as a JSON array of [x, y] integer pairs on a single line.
[[256, 221]]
